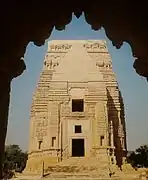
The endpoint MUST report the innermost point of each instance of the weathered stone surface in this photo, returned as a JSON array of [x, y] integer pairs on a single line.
[[77, 76]]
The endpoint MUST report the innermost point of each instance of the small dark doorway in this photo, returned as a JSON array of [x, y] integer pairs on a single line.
[[77, 147]]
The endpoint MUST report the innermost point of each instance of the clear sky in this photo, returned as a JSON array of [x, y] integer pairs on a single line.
[[133, 87]]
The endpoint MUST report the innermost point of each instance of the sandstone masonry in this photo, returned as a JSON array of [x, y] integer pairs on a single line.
[[77, 109]]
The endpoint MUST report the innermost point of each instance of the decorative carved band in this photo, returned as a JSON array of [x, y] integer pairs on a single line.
[[95, 46], [59, 47]]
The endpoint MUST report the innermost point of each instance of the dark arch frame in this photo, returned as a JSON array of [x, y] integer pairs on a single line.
[[26, 21]]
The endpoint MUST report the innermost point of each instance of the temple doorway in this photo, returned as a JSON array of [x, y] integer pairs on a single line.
[[78, 148]]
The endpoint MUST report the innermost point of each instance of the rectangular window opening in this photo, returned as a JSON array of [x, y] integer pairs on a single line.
[[77, 105], [101, 140], [40, 143], [78, 129], [53, 141]]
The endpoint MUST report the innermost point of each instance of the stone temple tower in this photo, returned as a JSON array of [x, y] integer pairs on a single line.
[[77, 114]]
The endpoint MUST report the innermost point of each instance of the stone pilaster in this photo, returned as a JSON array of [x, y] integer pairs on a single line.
[[100, 129]]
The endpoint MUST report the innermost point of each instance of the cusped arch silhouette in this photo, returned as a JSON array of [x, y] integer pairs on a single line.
[[31, 21]]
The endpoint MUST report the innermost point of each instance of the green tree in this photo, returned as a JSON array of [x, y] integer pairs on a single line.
[[139, 158], [14, 158]]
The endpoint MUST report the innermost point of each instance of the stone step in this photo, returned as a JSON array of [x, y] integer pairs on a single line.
[[60, 176], [82, 178], [84, 162]]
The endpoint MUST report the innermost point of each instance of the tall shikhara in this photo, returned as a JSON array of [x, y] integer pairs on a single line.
[[77, 109]]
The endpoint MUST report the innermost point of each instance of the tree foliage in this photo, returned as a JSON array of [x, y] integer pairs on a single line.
[[139, 158], [14, 158]]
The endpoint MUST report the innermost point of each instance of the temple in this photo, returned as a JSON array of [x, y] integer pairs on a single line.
[[77, 114], [18, 29]]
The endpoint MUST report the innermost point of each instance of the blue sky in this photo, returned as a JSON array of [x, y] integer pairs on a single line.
[[133, 87]]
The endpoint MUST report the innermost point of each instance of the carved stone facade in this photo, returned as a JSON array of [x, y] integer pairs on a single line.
[[77, 108]]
